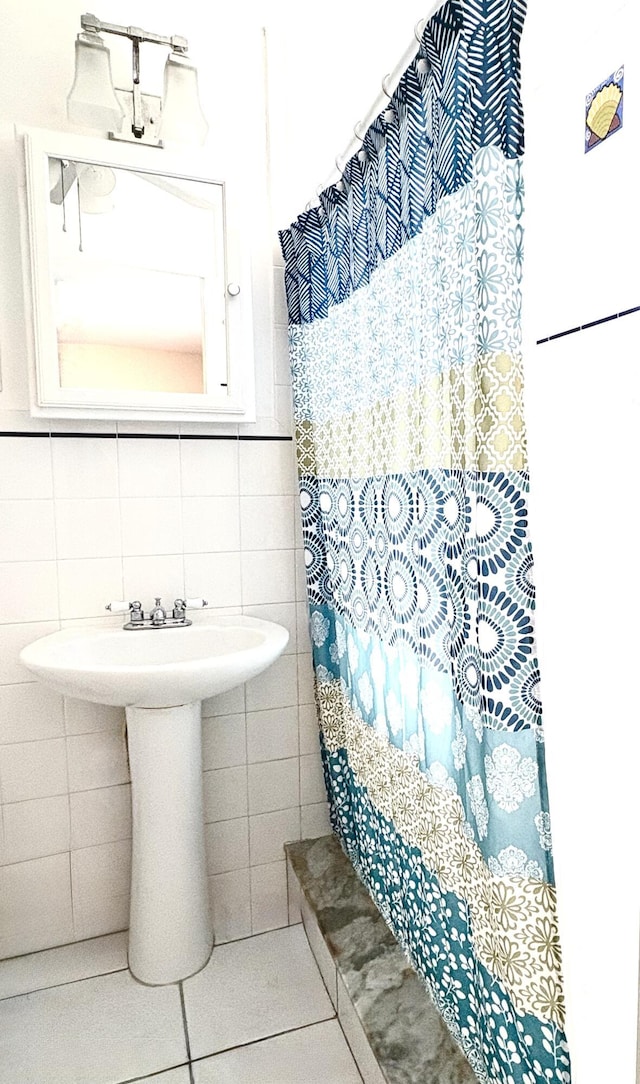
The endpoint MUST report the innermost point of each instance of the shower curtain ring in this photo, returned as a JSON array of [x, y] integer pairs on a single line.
[[358, 131], [389, 93], [418, 30]]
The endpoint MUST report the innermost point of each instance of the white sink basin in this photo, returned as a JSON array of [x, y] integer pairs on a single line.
[[161, 676], [155, 668]]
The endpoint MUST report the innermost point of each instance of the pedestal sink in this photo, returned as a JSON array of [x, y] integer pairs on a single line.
[[160, 677]]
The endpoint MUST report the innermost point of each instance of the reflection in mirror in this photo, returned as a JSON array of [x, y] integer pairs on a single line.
[[137, 276]]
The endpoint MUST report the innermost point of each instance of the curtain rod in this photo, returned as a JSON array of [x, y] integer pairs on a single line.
[[389, 84]]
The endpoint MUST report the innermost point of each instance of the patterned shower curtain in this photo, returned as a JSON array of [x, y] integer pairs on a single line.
[[404, 293]]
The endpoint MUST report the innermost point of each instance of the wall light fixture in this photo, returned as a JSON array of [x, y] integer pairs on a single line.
[[129, 114]]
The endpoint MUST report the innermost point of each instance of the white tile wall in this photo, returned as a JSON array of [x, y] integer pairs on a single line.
[[314, 820], [272, 735], [35, 905], [28, 712], [269, 909], [267, 523], [225, 794], [27, 531], [81, 717], [100, 881], [31, 474], [211, 524], [268, 832], [230, 895], [87, 520], [224, 743], [87, 528], [209, 468], [227, 845], [29, 591], [82, 467], [151, 526], [97, 760], [312, 788], [274, 785], [268, 576], [275, 687], [35, 769], [36, 829], [100, 816], [308, 729], [149, 468], [12, 639]]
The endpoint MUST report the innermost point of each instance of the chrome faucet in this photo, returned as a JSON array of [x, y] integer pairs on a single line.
[[158, 614], [157, 617]]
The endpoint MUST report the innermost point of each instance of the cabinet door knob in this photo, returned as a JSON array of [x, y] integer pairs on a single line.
[[233, 289]]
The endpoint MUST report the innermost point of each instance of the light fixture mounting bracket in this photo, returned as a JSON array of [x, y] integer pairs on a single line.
[[150, 109]]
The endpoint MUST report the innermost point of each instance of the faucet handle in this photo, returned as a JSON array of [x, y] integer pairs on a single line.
[[182, 604], [121, 607]]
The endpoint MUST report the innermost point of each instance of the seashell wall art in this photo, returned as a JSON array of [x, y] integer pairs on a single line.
[[603, 110]]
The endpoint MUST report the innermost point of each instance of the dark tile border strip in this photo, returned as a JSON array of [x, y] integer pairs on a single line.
[[141, 436], [585, 327]]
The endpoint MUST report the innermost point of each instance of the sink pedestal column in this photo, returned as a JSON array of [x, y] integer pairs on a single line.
[[171, 934]]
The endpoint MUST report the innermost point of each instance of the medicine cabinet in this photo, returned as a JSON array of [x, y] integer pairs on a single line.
[[137, 284]]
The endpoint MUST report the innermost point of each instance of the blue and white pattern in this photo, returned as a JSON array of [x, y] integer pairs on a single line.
[[404, 296], [503, 1045], [420, 312], [416, 583]]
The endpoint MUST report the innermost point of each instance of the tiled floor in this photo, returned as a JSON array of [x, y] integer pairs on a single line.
[[258, 1014]]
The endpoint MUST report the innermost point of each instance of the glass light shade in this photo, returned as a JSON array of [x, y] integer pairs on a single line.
[[92, 100], [182, 118], [95, 188]]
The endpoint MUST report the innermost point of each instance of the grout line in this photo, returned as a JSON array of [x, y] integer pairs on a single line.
[[182, 500], [243, 606], [348, 1044], [183, 1009], [143, 436], [159, 1073], [120, 516], [66, 944], [265, 1038], [69, 982], [590, 324]]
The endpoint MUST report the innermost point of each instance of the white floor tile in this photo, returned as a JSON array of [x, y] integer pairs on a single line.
[[97, 1031], [83, 960], [315, 1055], [172, 1076], [253, 989]]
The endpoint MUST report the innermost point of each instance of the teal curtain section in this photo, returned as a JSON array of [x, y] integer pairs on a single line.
[[404, 296]]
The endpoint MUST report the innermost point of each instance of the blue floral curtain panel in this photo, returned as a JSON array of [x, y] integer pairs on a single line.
[[403, 289]]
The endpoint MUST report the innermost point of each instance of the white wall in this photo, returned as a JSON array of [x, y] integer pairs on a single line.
[[86, 519], [582, 397]]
